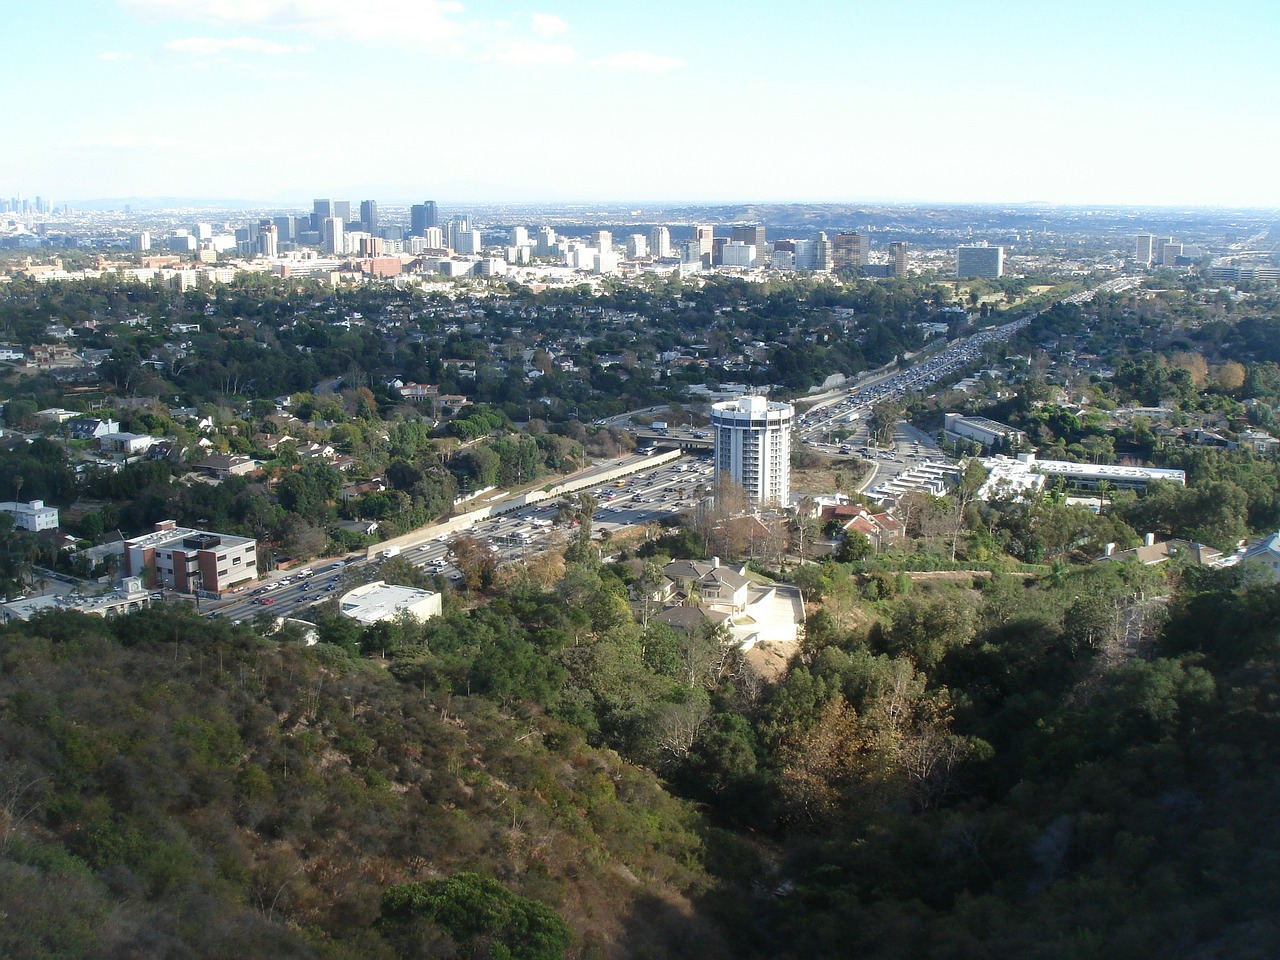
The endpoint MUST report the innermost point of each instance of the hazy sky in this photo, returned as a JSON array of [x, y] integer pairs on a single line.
[[1073, 101]]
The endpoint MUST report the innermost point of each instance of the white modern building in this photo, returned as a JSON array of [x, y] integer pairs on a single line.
[[1012, 475], [378, 601], [957, 427], [753, 446], [33, 516], [979, 260], [738, 254], [660, 241], [1144, 249]]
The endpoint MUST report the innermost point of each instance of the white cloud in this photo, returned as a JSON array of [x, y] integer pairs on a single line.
[[548, 24], [638, 61], [368, 20], [215, 46], [113, 56], [534, 54]]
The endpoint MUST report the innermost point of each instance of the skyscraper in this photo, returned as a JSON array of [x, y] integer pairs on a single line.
[[979, 260], [899, 250], [752, 236], [421, 216], [268, 239], [753, 447], [1144, 249], [848, 251], [342, 208], [660, 241], [321, 210], [822, 253], [334, 241], [369, 216], [703, 236]]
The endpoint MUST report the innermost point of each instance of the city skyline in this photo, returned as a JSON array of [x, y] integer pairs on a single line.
[[938, 103]]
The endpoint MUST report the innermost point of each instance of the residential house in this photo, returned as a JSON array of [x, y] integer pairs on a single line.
[[223, 465], [91, 428]]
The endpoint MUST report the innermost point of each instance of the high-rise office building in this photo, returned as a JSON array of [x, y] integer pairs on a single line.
[[421, 216], [822, 254], [321, 210], [519, 236], [602, 240], [334, 241], [1163, 255], [899, 250], [753, 236], [753, 447], [735, 253], [848, 251], [286, 229], [1144, 249], [703, 236], [342, 209], [268, 239], [369, 216], [456, 228], [467, 242], [546, 244], [804, 254], [979, 260], [660, 241], [637, 246]]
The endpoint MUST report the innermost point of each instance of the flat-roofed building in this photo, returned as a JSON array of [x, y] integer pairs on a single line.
[[979, 260], [1012, 475], [33, 516], [989, 433], [378, 601], [753, 446], [191, 561], [848, 251]]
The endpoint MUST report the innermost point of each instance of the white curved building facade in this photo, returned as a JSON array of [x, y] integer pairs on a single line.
[[753, 447]]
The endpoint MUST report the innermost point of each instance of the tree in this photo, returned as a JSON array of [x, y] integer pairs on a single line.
[[855, 546], [476, 913]]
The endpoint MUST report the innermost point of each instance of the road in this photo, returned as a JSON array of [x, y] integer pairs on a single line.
[[659, 494]]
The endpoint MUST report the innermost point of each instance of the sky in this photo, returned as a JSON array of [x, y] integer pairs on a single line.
[[1124, 102]]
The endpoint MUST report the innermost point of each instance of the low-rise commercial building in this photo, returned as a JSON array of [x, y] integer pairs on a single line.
[[988, 433], [1017, 476], [191, 561], [378, 601], [128, 596]]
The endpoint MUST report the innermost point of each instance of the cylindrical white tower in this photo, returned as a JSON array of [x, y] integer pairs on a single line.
[[753, 447]]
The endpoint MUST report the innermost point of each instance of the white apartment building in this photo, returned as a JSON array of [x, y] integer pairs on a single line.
[[33, 516], [753, 446]]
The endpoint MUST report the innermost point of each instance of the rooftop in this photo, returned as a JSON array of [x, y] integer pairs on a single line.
[[384, 601]]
